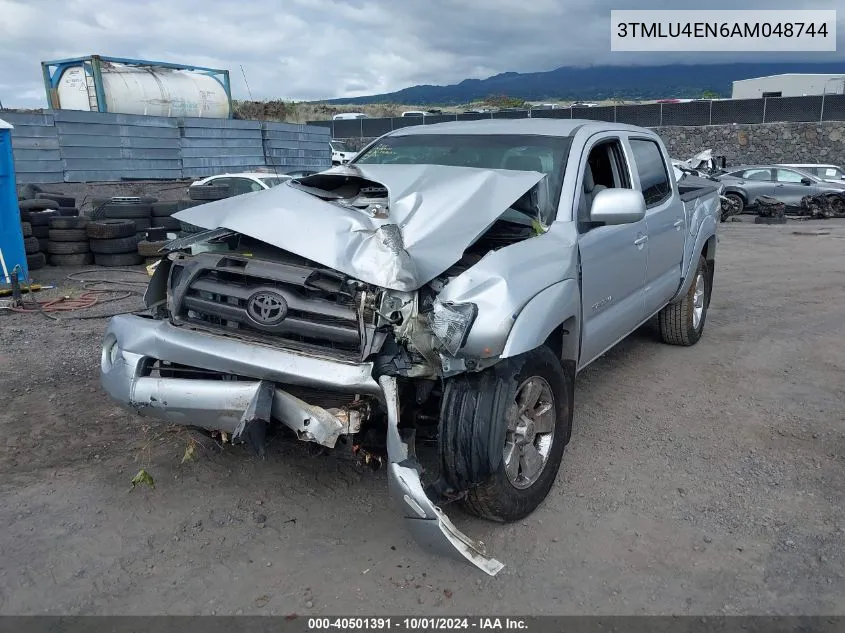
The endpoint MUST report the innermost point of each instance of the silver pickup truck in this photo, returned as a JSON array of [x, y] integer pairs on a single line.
[[428, 305]]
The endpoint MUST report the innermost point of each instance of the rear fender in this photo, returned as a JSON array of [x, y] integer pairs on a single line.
[[703, 238]]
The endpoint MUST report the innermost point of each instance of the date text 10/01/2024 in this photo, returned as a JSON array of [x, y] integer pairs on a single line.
[[417, 623]]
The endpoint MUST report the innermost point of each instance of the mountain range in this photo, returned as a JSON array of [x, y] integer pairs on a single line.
[[596, 83]]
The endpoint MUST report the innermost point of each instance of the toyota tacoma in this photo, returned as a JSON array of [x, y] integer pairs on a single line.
[[428, 305]]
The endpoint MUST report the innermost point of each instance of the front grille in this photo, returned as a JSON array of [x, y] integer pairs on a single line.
[[215, 291]]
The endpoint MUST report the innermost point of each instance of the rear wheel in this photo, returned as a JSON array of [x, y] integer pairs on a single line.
[[682, 323]]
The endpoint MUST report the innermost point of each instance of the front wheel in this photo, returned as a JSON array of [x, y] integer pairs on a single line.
[[523, 434]]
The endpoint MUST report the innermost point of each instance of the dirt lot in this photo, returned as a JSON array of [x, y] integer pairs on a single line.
[[703, 480]]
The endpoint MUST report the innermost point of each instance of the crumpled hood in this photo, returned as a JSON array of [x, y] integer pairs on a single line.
[[435, 213]]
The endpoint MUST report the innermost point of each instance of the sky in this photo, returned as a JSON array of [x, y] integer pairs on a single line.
[[317, 49]]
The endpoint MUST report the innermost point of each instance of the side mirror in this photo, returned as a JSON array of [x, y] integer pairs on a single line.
[[618, 206], [806, 181]]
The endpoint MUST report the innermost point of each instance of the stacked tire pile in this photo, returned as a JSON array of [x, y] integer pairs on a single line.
[[119, 225], [200, 194], [35, 225], [114, 242], [68, 242], [154, 240]]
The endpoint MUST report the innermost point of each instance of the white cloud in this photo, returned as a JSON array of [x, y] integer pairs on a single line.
[[313, 49]]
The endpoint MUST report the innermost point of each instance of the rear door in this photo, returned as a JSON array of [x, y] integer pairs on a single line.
[[613, 258], [665, 223]]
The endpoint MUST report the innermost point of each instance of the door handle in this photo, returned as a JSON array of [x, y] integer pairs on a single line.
[[678, 223], [641, 240]]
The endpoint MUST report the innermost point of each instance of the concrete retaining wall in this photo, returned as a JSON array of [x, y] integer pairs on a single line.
[[747, 144]]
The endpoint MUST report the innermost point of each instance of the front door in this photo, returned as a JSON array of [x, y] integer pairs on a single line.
[[789, 187], [613, 258]]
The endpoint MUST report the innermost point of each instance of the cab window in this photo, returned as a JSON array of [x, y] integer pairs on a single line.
[[654, 177]]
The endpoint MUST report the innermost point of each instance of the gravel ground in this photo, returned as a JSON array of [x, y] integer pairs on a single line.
[[705, 480]]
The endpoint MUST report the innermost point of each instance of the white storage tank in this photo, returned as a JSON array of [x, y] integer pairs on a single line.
[[135, 87]]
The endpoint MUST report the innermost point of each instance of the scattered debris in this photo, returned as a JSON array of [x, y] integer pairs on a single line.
[[143, 477]]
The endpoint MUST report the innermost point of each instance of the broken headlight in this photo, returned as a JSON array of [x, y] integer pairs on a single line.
[[451, 323]]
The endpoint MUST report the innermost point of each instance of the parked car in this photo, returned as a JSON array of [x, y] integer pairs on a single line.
[[414, 113], [343, 116], [245, 182], [743, 185], [830, 173], [582, 104], [341, 152], [508, 256]]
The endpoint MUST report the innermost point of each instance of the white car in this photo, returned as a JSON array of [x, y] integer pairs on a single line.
[[829, 173], [245, 182], [349, 115], [341, 152]]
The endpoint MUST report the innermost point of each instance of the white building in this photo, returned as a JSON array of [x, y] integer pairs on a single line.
[[791, 85]]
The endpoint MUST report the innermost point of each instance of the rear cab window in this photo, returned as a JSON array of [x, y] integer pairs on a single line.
[[651, 168]]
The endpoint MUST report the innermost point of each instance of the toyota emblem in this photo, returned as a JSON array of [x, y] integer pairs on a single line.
[[266, 307]]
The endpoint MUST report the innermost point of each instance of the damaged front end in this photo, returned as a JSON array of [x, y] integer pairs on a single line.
[[331, 324]]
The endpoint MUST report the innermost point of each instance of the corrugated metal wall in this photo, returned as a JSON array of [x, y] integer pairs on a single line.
[[35, 143], [215, 146], [69, 146]]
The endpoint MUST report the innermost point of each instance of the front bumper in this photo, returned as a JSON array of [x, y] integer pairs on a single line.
[[131, 343]]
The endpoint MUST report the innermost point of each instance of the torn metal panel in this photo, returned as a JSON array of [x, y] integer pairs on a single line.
[[433, 214], [429, 525], [504, 281]]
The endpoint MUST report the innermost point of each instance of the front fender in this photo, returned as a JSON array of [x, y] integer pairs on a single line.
[[706, 231], [541, 315]]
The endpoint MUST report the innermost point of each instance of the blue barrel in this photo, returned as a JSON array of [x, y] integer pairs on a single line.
[[12, 253]]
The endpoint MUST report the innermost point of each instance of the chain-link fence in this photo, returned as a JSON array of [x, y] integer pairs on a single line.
[[693, 113]]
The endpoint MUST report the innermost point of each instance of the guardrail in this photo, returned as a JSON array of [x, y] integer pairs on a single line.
[[829, 107]]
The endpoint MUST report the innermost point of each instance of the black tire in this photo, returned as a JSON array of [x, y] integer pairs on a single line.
[[80, 259], [42, 218], [36, 261], [676, 320], [155, 235], [739, 202], [37, 204], [208, 192], [166, 223], [110, 229], [68, 248], [142, 224], [121, 259], [31, 245], [117, 245], [68, 235], [30, 192], [42, 243], [151, 249], [474, 427], [26, 229], [68, 212], [68, 223], [41, 231], [117, 210], [165, 209], [62, 201]]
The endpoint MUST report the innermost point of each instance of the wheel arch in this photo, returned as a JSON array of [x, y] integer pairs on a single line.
[[552, 317]]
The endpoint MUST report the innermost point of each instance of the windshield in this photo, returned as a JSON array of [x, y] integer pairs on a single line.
[[519, 152], [273, 181], [340, 146]]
